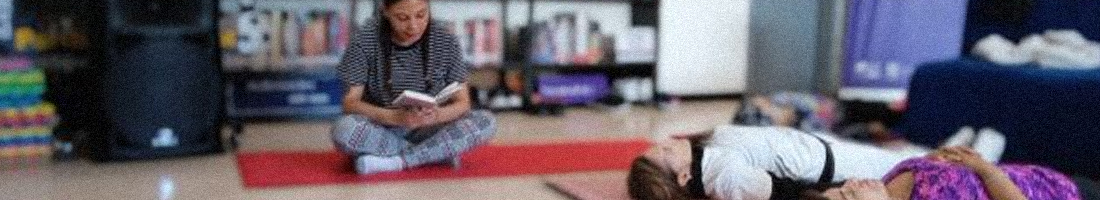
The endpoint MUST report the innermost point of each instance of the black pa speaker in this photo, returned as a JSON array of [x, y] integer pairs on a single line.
[[160, 88]]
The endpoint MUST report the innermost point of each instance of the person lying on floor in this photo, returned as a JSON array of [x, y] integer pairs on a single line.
[[960, 173], [403, 50], [740, 162]]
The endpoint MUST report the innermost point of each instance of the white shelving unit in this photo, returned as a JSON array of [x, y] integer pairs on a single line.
[[290, 86]]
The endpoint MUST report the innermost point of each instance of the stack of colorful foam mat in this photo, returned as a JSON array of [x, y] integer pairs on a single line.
[[26, 122]]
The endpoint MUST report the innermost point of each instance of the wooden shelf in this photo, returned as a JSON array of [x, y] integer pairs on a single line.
[[583, 1], [236, 63], [594, 66]]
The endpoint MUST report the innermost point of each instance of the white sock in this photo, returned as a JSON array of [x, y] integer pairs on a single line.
[[369, 164], [963, 137], [990, 144]]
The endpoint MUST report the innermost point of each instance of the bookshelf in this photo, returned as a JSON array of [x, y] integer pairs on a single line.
[[282, 65], [642, 13], [528, 22], [286, 84]]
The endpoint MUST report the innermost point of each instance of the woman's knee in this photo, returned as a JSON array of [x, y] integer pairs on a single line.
[[346, 123], [485, 120], [485, 123]]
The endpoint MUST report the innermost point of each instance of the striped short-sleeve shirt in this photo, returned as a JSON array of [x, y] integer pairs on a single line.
[[362, 64]]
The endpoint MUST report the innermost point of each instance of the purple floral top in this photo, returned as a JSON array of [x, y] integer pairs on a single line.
[[943, 180]]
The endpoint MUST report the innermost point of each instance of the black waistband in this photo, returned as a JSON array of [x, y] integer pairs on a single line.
[[789, 188], [827, 172], [695, 184]]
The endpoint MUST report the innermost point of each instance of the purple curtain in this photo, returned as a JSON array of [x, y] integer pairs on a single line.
[[887, 40]]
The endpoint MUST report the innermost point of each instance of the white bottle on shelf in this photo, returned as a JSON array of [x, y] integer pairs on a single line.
[[580, 37], [563, 38], [275, 38], [291, 34], [249, 28], [645, 89]]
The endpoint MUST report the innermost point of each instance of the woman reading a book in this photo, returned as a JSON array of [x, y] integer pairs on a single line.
[[400, 53]]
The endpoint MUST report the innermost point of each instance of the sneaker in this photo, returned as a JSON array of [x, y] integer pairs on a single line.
[[964, 137], [990, 144]]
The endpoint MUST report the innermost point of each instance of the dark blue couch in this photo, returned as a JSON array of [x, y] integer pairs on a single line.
[[1050, 117]]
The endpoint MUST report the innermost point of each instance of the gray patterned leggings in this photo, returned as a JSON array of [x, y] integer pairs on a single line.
[[357, 135]]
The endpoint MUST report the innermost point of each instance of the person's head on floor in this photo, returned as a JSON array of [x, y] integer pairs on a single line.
[[407, 20], [662, 172]]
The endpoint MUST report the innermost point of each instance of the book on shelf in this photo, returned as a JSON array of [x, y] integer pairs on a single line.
[[292, 33], [275, 38], [567, 39], [563, 38], [314, 35], [480, 40], [581, 31], [468, 40], [288, 39], [339, 32], [541, 49], [414, 99]]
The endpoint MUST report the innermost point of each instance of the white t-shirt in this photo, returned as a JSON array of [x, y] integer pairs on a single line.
[[737, 160]]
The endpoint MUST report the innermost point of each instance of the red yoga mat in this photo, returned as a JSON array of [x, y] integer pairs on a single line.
[[275, 169]]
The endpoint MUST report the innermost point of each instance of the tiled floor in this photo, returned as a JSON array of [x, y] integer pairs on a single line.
[[216, 176]]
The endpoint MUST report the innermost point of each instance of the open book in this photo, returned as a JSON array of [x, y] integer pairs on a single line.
[[415, 99]]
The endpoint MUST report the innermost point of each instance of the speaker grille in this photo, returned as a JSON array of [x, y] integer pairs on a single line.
[[162, 13], [163, 84], [161, 17]]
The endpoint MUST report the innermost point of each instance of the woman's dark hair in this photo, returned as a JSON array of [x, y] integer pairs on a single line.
[[385, 30], [646, 181], [813, 195]]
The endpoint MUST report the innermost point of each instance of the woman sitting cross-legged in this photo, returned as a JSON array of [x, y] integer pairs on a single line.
[[404, 50]]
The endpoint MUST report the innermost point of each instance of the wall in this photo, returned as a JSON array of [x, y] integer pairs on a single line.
[[888, 40], [795, 45], [830, 55], [783, 45], [703, 48]]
